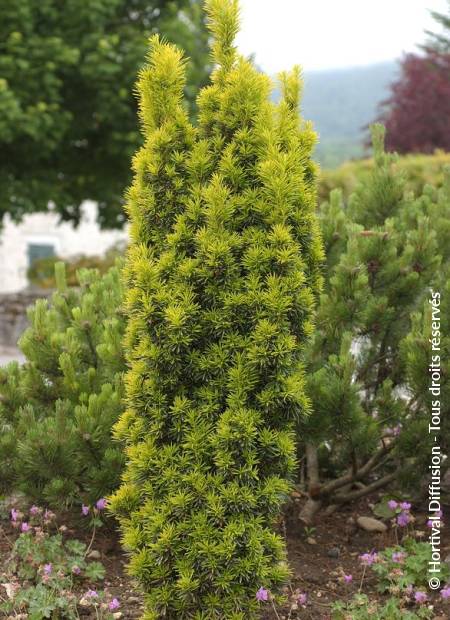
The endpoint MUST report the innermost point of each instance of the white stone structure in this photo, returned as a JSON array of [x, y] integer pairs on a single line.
[[43, 233]]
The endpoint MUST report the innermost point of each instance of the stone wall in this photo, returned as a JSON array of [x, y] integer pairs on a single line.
[[13, 314]]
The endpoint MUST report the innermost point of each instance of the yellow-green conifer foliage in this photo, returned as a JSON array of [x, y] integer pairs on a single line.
[[222, 275]]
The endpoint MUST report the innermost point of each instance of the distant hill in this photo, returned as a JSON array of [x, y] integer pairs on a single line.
[[341, 103]]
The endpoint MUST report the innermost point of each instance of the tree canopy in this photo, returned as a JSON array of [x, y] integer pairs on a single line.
[[417, 114], [67, 111]]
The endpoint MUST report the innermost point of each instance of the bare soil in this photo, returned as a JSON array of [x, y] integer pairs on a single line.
[[318, 557]]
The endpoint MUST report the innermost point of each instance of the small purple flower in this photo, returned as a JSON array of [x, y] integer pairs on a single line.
[[114, 604], [25, 527], [302, 599], [403, 519], [430, 524], [84, 510], [394, 432], [91, 594], [368, 558], [76, 570], [101, 504], [445, 593], [348, 578], [34, 510], [405, 506], [399, 556], [49, 515], [392, 504], [420, 597], [14, 514], [48, 569], [262, 595]]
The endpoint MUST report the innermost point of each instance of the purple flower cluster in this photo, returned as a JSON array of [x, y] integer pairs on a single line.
[[262, 595], [15, 515], [402, 509], [17, 519], [403, 519], [367, 559], [114, 604], [100, 505], [91, 594], [94, 598], [48, 568], [50, 573], [297, 598], [420, 597]]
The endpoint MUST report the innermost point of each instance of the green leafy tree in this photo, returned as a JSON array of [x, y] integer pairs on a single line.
[[67, 111], [58, 408], [385, 249], [221, 278]]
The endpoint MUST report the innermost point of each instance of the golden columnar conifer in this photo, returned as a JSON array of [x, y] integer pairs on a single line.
[[221, 278]]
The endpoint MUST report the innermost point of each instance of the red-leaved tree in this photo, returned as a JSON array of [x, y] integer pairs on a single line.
[[417, 114]]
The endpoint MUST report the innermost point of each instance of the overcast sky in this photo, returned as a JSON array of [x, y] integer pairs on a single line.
[[325, 34]]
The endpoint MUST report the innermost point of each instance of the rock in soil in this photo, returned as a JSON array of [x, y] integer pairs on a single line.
[[94, 555], [334, 552], [369, 524]]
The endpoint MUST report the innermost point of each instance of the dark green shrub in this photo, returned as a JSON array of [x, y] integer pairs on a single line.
[[222, 274], [368, 364], [57, 410]]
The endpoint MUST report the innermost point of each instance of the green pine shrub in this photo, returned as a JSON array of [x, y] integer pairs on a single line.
[[419, 170], [58, 408], [415, 353], [221, 279], [368, 361]]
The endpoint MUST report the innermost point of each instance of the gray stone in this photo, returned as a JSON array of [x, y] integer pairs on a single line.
[[369, 524], [94, 555], [334, 553]]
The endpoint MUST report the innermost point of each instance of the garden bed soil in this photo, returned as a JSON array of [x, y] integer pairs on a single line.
[[319, 557]]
